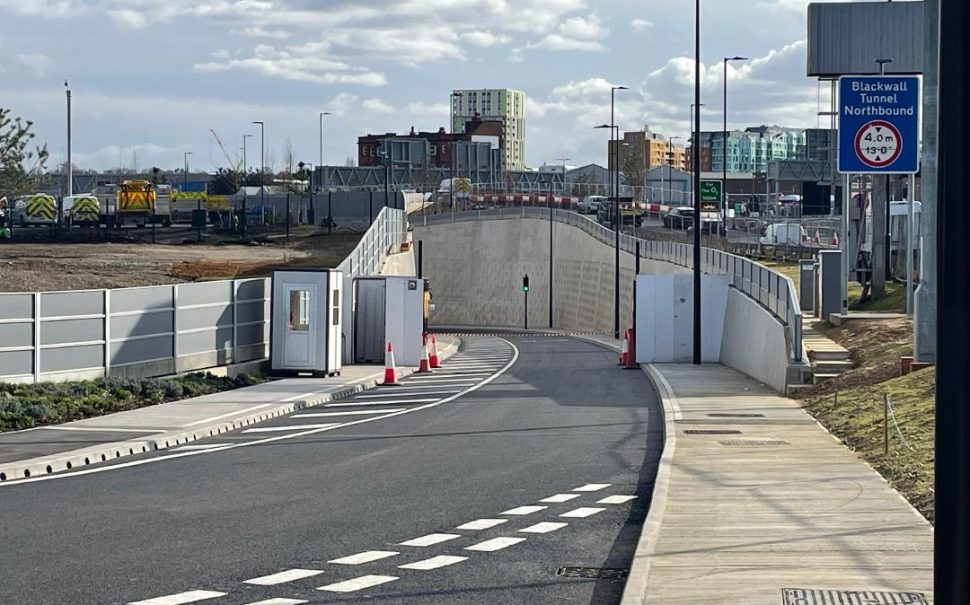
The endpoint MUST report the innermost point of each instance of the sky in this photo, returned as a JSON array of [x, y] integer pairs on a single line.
[[150, 78]]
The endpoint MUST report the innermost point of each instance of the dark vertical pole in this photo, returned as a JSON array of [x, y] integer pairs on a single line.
[[420, 258], [330, 213], [724, 156], [370, 205], [550, 258], [952, 582], [287, 221], [696, 161], [525, 321], [636, 274], [888, 253]]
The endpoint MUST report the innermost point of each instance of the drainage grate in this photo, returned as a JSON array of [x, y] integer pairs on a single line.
[[753, 442], [711, 432], [603, 573], [725, 415], [809, 596]]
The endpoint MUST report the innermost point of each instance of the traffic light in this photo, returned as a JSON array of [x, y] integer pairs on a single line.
[[525, 283]]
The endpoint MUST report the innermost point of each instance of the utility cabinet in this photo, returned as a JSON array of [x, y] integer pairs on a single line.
[[388, 309], [305, 322]]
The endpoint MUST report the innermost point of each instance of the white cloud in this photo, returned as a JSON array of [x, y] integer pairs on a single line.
[[129, 19], [258, 31], [559, 42], [428, 109], [222, 53], [60, 9], [485, 38], [640, 24], [378, 106], [305, 69], [576, 33], [40, 65]]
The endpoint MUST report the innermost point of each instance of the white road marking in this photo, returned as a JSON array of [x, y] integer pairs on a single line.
[[266, 440], [524, 510], [427, 385], [358, 583], [583, 512], [351, 404], [543, 528], [283, 577], [183, 597], [198, 446], [481, 524], [330, 388], [290, 427], [560, 498], [592, 487], [364, 557], [430, 540], [495, 544], [92, 429], [357, 413], [434, 563], [228, 414], [424, 382], [420, 394], [279, 602], [616, 500]]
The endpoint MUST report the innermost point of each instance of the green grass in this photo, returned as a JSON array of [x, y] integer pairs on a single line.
[[893, 302], [24, 406]]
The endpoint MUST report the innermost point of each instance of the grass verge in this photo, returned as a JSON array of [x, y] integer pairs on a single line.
[[893, 302], [24, 406]]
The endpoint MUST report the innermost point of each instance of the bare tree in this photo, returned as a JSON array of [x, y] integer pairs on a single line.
[[288, 156]]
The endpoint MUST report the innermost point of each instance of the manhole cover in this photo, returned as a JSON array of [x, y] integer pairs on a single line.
[[753, 442], [604, 573], [711, 432], [809, 596], [726, 415]]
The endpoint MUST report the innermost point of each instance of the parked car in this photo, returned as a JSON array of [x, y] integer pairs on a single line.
[[680, 217], [591, 204], [784, 234]]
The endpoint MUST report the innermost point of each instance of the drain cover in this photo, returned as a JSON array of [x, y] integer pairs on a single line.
[[711, 432], [726, 415], [604, 573], [753, 442], [808, 596]]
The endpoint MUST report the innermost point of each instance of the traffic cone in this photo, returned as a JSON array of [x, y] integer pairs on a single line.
[[624, 352], [425, 363], [631, 347], [433, 358], [390, 370]]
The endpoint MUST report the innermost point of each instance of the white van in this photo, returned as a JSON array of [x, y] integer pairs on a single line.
[[784, 234]]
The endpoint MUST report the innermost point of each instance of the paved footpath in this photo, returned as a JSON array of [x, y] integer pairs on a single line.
[[73, 445], [769, 509]]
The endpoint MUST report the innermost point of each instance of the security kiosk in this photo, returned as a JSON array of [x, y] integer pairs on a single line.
[[305, 334], [388, 309]]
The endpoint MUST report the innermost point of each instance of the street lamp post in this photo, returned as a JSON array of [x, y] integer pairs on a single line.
[[451, 153], [322, 113], [616, 206], [70, 164], [262, 173], [696, 161], [198, 201], [724, 143], [245, 190]]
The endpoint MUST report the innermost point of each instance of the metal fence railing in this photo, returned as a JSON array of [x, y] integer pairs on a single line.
[[772, 290]]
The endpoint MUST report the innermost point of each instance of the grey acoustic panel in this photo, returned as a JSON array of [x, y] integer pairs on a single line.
[[135, 351], [252, 289], [66, 304], [16, 335], [247, 312], [16, 306], [140, 299], [71, 358], [203, 342], [250, 335], [17, 363], [141, 325], [205, 293], [204, 317], [71, 330]]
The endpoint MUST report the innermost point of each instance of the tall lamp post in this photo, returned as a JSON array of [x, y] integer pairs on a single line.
[[451, 154], [262, 172], [245, 190], [322, 113], [696, 161], [614, 191], [70, 164], [724, 143]]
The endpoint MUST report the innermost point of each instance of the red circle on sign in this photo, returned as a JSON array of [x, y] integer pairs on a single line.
[[878, 144]]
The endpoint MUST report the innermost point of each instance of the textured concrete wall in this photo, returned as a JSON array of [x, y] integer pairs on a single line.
[[754, 341], [476, 270]]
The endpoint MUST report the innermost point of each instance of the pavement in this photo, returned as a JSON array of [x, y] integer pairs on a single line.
[[520, 472], [45, 450], [761, 505]]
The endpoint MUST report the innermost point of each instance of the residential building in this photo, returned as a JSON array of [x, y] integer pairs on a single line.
[[506, 106], [650, 148], [751, 150]]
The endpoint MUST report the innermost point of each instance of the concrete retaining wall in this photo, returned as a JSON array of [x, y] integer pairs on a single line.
[[754, 341]]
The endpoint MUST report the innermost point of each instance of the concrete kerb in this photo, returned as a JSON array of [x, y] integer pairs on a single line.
[[76, 459]]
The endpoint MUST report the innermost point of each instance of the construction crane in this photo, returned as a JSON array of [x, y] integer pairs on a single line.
[[234, 165]]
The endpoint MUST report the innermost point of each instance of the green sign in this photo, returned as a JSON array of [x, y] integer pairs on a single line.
[[711, 192]]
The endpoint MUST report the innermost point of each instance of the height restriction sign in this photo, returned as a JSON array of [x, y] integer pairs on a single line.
[[879, 124]]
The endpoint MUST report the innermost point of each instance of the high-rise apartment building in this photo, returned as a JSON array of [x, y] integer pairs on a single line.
[[752, 149], [505, 105]]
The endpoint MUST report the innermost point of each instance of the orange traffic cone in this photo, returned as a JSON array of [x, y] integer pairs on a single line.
[[624, 352], [425, 363], [433, 358], [631, 347], [390, 370]]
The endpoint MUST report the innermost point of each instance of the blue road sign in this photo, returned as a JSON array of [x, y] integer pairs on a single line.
[[879, 124]]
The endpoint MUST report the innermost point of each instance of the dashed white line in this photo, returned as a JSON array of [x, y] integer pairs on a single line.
[[434, 563], [351, 404], [480, 524], [583, 512], [495, 544], [357, 413], [592, 487], [560, 498], [290, 427], [426, 385], [290, 575], [198, 446], [616, 499], [386, 394], [543, 528], [364, 557], [430, 540], [358, 583], [524, 510], [280, 602], [181, 598]]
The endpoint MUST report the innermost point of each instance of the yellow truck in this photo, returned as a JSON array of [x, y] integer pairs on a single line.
[[141, 202]]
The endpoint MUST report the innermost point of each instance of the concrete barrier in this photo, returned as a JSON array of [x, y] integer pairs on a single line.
[[754, 342]]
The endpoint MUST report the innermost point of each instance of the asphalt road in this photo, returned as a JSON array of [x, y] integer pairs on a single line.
[[438, 488]]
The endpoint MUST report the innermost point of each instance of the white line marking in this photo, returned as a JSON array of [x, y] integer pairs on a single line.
[[364, 557], [198, 446], [495, 544], [357, 413], [583, 512], [430, 540], [228, 414], [423, 383], [592, 487], [183, 597], [91, 429], [481, 524], [283, 577], [279, 602], [358, 583], [616, 500], [116, 467], [351, 404], [292, 427], [524, 510], [560, 498], [434, 563], [543, 528], [428, 385], [390, 394]]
